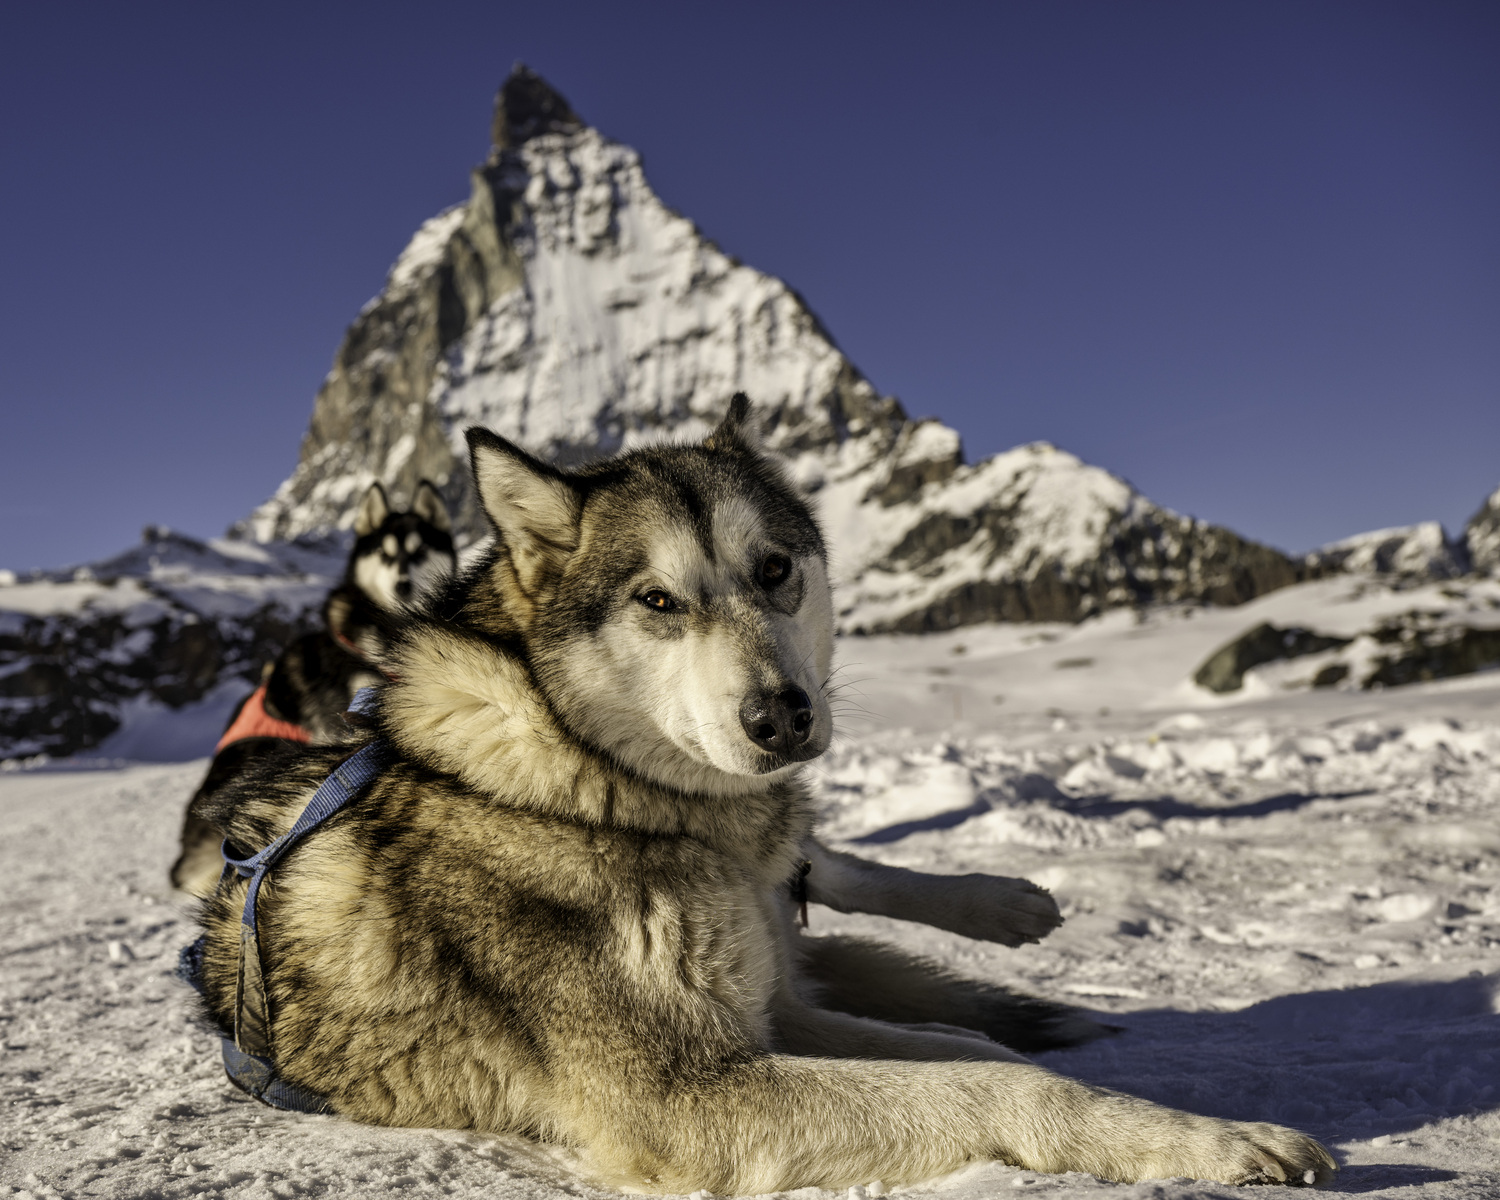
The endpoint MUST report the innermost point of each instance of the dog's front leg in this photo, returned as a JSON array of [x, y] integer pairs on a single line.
[[776, 1122], [992, 908]]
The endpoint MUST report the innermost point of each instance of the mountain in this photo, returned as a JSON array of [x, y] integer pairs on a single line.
[[565, 306]]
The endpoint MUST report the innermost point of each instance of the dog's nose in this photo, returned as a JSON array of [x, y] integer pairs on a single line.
[[779, 721]]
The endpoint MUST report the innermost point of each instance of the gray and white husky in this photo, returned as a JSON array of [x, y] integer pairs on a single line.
[[567, 907]]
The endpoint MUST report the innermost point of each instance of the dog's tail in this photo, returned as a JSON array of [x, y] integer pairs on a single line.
[[870, 979]]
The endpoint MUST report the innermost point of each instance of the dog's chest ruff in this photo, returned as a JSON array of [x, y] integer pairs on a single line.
[[471, 710]]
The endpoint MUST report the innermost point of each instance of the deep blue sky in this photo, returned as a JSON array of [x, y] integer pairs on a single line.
[[1246, 255]]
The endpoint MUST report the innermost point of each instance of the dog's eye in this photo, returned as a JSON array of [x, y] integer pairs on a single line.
[[659, 600], [774, 569]]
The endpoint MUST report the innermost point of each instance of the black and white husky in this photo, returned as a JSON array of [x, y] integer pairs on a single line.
[[567, 905], [397, 557]]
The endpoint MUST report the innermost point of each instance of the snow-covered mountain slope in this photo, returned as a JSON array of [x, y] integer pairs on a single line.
[[565, 306], [1108, 671]]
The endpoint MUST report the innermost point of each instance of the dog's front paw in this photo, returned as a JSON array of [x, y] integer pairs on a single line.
[[993, 908], [1243, 1152], [1281, 1155]]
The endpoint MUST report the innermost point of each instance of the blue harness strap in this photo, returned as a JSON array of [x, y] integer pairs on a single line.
[[247, 1056], [252, 1015]]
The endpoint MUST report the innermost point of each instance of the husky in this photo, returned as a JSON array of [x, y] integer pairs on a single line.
[[567, 906], [397, 557]]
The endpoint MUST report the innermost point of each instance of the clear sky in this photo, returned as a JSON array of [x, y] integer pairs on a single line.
[[1246, 255]]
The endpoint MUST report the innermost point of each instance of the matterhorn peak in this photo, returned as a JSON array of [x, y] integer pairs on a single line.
[[566, 307], [527, 106]]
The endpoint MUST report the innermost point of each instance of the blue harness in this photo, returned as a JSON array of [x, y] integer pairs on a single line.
[[248, 1057]]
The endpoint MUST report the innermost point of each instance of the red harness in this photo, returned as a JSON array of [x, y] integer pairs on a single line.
[[254, 721]]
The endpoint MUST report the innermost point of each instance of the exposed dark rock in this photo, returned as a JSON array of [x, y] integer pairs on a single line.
[[166, 621], [924, 453], [1044, 597], [1423, 650], [1224, 670], [1415, 647], [528, 106], [1151, 558], [1331, 676]]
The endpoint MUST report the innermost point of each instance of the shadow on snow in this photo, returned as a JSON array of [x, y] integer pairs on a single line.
[[1343, 1065], [1103, 807]]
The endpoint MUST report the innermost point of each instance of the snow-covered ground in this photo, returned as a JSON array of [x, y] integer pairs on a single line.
[[1290, 899]]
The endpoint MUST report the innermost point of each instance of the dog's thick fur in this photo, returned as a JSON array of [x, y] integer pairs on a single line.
[[564, 910], [397, 557]]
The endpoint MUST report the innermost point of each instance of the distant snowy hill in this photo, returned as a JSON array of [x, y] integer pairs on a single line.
[[1423, 551], [566, 307]]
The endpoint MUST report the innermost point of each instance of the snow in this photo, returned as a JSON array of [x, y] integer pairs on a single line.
[[1057, 509], [929, 440], [125, 614], [628, 321], [1142, 663], [426, 248], [1289, 899], [209, 580], [46, 597], [617, 340], [612, 321], [150, 731], [1423, 550]]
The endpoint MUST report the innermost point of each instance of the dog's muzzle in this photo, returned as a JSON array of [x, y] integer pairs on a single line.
[[780, 723]]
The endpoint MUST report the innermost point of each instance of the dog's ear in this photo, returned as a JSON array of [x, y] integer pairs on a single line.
[[430, 507], [373, 510], [533, 506], [735, 431]]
